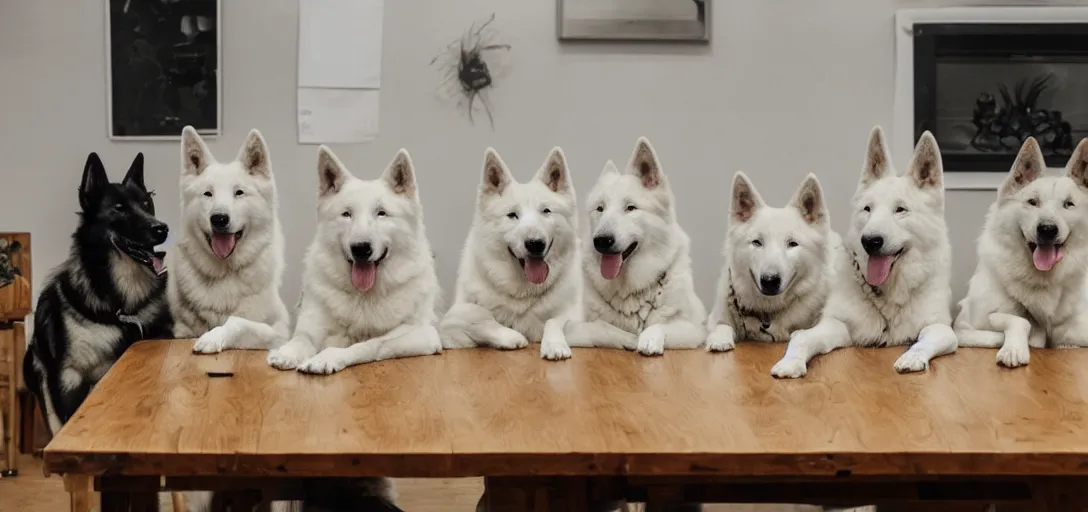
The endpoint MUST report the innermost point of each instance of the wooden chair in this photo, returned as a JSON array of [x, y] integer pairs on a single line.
[[12, 344], [15, 301]]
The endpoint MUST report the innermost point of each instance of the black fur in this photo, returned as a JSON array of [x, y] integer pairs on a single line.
[[117, 222], [347, 495]]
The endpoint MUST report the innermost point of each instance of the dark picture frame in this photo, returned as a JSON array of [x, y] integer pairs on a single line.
[[163, 71], [619, 28]]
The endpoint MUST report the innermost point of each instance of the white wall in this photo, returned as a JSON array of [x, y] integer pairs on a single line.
[[787, 87]]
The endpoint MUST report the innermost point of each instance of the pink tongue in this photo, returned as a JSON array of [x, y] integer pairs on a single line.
[[223, 244], [363, 275], [156, 262], [879, 268], [536, 270], [610, 265], [1046, 256]]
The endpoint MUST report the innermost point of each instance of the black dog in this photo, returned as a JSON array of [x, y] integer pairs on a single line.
[[107, 295]]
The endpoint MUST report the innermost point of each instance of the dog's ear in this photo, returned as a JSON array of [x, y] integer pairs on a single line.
[[195, 156], [746, 200], [254, 155], [400, 175], [645, 165], [1077, 167], [554, 173], [809, 200], [496, 175], [876, 158], [331, 174], [926, 169], [135, 174], [610, 168], [94, 178], [1028, 166]]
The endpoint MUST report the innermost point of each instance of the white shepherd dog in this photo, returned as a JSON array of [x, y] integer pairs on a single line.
[[519, 278], [369, 285], [227, 265], [639, 289], [1031, 285], [892, 287], [779, 264]]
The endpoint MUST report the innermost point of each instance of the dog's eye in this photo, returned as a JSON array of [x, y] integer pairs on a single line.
[[791, 243], [238, 193], [147, 205], [1068, 204], [866, 209], [346, 214], [1033, 202], [631, 207], [901, 209], [757, 243], [512, 215], [118, 207], [208, 193], [381, 213], [600, 209], [546, 211]]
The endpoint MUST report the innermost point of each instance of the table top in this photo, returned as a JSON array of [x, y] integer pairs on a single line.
[[480, 412]]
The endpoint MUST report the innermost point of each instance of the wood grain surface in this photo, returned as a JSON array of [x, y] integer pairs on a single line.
[[604, 412]]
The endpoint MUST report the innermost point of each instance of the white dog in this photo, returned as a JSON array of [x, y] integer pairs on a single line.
[[1031, 285], [639, 288], [892, 287], [779, 263], [369, 284], [227, 265], [519, 278]]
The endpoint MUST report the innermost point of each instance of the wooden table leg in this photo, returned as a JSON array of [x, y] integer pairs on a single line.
[[178, 500], [80, 490], [1060, 495], [122, 501], [241, 501], [536, 494]]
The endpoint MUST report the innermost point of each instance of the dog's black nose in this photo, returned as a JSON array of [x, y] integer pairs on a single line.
[[158, 233], [769, 284], [535, 247], [872, 243], [1047, 232], [604, 243], [220, 220], [361, 252]]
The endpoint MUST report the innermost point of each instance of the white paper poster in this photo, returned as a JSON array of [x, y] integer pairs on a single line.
[[329, 116], [339, 70]]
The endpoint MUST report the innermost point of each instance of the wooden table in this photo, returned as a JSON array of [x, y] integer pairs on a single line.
[[605, 424]]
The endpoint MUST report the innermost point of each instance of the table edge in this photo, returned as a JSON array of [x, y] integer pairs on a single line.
[[447, 465]]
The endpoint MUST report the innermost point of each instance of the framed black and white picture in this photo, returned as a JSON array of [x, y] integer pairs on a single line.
[[163, 68], [634, 20]]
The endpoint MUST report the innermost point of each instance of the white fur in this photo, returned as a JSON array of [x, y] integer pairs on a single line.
[[794, 244], [1010, 304], [495, 303], [338, 325], [913, 305], [651, 304], [232, 302]]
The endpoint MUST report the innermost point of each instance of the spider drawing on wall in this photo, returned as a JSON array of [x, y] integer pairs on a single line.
[[467, 74]]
